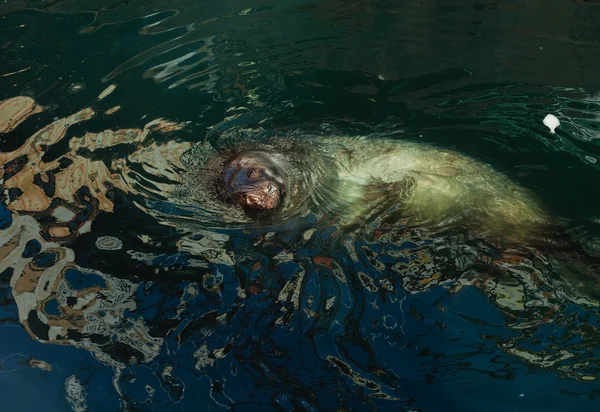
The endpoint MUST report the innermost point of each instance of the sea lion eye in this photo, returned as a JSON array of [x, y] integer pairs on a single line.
[[253, 174]]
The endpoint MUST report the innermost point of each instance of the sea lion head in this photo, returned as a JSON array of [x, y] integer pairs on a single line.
[[254, 180]]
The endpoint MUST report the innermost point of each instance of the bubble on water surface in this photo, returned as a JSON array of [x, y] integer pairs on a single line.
[[109, 243], [76, 87]]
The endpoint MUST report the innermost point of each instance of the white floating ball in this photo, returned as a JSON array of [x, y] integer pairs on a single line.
[[551, 122]]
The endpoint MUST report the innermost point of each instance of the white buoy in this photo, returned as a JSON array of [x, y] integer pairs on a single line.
[[551, 122]]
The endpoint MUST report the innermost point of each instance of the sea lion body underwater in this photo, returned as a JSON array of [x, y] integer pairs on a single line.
[[359, 180], [349, 176]]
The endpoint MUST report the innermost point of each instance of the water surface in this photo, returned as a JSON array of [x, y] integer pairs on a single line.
[[130, 296]]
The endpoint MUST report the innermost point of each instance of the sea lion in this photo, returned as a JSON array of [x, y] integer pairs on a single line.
[[354, 178], [366, 181]]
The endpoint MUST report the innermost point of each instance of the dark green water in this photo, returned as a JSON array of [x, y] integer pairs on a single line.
[[202, 317]]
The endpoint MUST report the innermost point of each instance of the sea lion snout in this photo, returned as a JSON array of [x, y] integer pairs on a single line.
[[263, 196], [254, 181]]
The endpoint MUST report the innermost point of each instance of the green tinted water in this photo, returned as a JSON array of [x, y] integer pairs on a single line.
[[476, 78]]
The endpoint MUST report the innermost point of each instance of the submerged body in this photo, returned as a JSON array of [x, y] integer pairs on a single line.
[[370, 184], [438, 187], [354, 177]]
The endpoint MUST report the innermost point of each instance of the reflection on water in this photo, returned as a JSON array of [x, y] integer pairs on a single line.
[[112, 242], [207, 295]]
